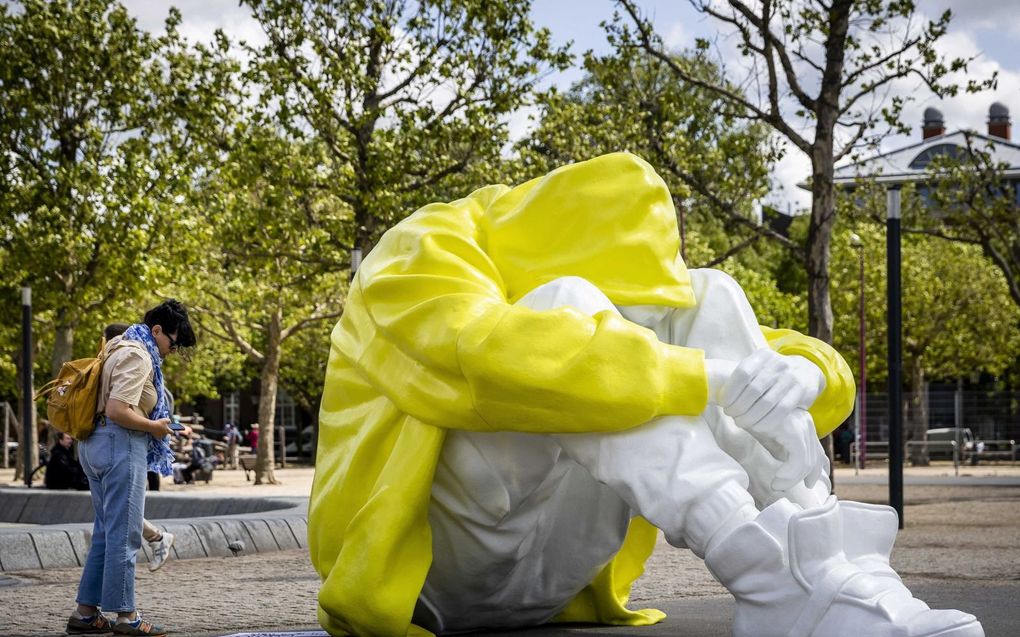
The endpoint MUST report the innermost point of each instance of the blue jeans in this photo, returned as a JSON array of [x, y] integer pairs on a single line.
[[114, 461]]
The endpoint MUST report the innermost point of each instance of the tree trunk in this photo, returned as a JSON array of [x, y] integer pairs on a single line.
[[823, 217], [63, 346], [917, 423], [269, 382]]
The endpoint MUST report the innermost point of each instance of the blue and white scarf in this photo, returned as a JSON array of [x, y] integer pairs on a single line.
[[159, 456]]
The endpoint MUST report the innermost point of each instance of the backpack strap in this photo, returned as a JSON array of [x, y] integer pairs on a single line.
[[46, 389]]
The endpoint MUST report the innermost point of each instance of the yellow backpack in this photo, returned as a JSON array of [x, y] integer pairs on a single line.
[[72, 397]]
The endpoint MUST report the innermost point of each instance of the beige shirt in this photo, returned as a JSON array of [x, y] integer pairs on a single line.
[[127, 376]]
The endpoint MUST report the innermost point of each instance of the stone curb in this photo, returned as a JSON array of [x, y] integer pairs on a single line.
[[66, 545]]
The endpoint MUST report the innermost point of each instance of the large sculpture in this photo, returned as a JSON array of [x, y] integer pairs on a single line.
[[527, 382]]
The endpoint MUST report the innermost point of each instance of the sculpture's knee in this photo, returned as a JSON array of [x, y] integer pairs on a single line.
[[715, 288], [568, 291]]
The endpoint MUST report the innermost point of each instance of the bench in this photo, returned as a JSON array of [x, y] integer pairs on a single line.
[[247, 462], [995, 450], [876, 450]]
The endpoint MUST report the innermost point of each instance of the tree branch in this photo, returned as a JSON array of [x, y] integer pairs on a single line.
[[226, 322], [772, 43], [771, 117], [732, 251], [307, 322]]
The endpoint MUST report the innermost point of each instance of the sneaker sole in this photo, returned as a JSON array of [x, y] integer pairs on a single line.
[[972, 629]]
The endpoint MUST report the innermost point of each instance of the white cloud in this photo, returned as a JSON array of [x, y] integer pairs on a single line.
[[522, 122], [199, 19], [677, 36], [996, 15], [965, 110], [786, 196]]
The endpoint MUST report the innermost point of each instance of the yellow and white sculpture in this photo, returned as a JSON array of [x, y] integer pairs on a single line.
[[527, 382]]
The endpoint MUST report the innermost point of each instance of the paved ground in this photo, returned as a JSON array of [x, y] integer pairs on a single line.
[[961, 548]]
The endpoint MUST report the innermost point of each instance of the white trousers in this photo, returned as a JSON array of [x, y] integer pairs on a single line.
[[522, 522]]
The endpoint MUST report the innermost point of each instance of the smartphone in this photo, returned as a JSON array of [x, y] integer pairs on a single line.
[[175, 425]]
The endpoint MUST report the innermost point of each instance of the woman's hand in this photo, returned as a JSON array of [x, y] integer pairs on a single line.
[[160, 428]]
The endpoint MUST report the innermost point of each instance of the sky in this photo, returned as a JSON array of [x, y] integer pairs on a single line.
[[985, 29]]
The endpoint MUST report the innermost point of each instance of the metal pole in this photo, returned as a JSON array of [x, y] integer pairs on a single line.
[[355, 261], [282, 442], [895, 353], [7, 434], [958, 419], [27, 399], [681, 215], [857, 437], [864, 369]]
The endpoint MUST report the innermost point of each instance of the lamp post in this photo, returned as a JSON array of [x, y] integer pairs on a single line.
[[27, 399], [862, 433], [895, 352]]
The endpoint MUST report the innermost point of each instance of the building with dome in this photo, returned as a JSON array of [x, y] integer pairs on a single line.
[[908, 164]]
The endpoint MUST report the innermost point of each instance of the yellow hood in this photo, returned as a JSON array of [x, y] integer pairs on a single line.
[[609, 220]]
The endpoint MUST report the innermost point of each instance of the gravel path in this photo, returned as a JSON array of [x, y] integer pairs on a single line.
[[953, 533]]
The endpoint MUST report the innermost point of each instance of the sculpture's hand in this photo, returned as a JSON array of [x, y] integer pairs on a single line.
[[718, 371], [768, 395]]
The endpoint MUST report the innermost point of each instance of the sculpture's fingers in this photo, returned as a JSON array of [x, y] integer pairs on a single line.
[[737, 387], [819, 457], [799, 459], [773, 408]]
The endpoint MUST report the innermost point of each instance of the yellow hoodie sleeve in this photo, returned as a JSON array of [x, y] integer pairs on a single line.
[[446, 339], [836, 402]]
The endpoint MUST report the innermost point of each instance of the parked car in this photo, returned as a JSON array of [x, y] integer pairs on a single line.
[[940, 441], [306, 444]]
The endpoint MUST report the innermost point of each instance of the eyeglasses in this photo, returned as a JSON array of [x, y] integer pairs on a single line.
[[173, 342]]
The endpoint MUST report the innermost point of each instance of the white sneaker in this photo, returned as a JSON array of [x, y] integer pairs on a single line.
[[161, 550], [791, 578]]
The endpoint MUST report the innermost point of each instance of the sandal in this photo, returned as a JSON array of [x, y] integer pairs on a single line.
[[96, 624]]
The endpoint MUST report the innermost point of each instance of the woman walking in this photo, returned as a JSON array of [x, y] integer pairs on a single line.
[[129, 439]]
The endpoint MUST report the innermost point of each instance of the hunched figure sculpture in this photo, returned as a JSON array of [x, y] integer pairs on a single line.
[[526, 383]]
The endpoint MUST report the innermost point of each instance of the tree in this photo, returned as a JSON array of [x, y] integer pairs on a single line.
[[92, 147], [715, 165], [404, 96], [818, 73], [976, 204], [272, 237]]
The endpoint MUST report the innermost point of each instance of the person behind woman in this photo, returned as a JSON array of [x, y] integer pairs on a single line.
[[62, 469], [131, 437]]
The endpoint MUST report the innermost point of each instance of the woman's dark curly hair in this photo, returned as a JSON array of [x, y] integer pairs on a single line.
[[172, 316]]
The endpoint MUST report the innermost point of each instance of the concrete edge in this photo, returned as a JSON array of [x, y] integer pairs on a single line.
[[41, 547]]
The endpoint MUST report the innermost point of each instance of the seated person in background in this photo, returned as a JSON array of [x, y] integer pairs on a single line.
[[199, 462], [62, 469]]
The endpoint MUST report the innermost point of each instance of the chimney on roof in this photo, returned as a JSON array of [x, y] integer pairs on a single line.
[[934, 123], [998, 121]]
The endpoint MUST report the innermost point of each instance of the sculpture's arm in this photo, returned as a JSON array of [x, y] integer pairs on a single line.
[[563, 370], [452, 352], [836, 401]]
